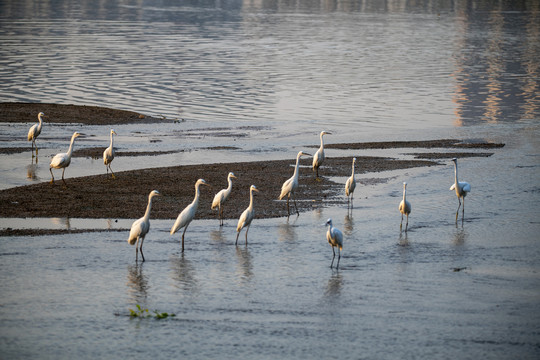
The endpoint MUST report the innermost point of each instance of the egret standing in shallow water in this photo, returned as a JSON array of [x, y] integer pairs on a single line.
[[62, 160], [318, 158], [404, 208], [462, 188], [140, 227], [108, 155], [247, 215], [289, 186], [350, 185], [335, 239], [221, 197], [188, 213], [34, 132]]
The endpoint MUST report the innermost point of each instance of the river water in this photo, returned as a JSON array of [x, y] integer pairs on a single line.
[[259, 80]]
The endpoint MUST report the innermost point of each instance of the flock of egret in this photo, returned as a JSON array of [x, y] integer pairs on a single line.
[[140, 227]]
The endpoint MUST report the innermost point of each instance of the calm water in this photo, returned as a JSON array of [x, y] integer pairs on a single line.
[[265, 78]]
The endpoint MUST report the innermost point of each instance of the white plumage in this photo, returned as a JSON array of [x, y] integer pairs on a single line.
[[108, 155], [34, 132], [62, 160], [221, 197], [318, 158], [188, 213], [290, 185], [462, 188], [247, 215], [404, 207], [335, 239], [140, 227], [350, 185]]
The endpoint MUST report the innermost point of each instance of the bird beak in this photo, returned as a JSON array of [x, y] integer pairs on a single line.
[[257, 190]]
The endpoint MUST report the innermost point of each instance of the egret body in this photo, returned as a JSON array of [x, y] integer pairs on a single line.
[[34, 132], [108, 155], [335, 239], [140, 227], [289, 186], [462, 188], [318, 158], [350, 185], [188, 213], [247, 215], [62, 160], [404, 208], [221, 197]]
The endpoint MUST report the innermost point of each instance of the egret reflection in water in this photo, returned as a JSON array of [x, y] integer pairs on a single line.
[[137, 284]]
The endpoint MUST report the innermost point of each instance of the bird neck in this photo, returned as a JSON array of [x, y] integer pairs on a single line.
[[112, 141], [39, 119], [197, 193], [296, 166], [149, 206], [251, 199], [404, 193], [456, 172], [70, 150], [353, 169], [322, 143], [229, 188]]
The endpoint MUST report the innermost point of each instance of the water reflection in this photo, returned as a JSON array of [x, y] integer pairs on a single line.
[[183, 273], [137, 284], [348, 224], [403, 239], [460, 236], [63, 222], [334, 286], [245, 266], [218, 236], [287, 232], [31, 171]]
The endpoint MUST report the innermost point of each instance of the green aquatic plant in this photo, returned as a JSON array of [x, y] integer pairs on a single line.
[[142, 313]]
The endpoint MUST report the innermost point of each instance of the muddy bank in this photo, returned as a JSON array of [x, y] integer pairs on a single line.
[[90, 115], [126, 196]]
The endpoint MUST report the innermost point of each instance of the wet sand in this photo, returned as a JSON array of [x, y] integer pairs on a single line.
[[100, 196]]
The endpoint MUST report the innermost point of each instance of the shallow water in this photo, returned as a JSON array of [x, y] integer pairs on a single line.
[[265, 79]]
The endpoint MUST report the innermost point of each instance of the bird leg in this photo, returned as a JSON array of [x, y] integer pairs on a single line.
[[52, 176], [137, 250], [339, 258], [288, 210], [183, 237], [407, 224], [237, 234], [221, 216], [247, 229], [334, 255], [297, 213], [142, 240], [113, 176], [63, 170], [401, 225], [457, 211]]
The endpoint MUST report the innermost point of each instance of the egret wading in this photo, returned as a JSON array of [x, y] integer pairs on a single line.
[[62, 160], [335, 239], [188, 213], [289, 186], [350, 185], [462, 188], [247, 215], [108, 155], [404, 208], [140, 227], [221, 197], [34, 132], [318, 158]]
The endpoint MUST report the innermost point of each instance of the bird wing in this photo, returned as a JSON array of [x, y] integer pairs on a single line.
[[31, 132], [242, 221], [60, 160], [318, 158], [182, 220], [217, 199], [349, 186], [466, 186], [136, 230], [338, 237], [453, 187], [107, 155], [286, 188]]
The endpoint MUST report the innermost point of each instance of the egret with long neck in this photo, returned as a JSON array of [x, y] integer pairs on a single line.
[[108, 155], [221, 197], [289, 186], [140, 227], [318, 158], [34, 132], [462, 188], [188, 213], [247, 215], [350, 185], [62, 160], [404, 208], [335, 238]]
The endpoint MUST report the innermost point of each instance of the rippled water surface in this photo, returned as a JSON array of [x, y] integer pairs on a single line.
[[260, 80]]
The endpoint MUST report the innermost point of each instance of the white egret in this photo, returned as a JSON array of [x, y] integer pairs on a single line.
[[462, 188], [318, 158], [140, 227], [108, 155], [62, 160], [34, 132], [247, 215], [404, 208], [335, 239], [221, 197], [289, 186], [188, 213], [350, 185]]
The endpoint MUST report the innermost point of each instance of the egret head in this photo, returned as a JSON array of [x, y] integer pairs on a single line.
[[354, 160], [301, 153], [40, 115], [404, 184], [253, 188], [201, 182], [76, 135], [454, 160], [231, 175], [154, 193], [325, 133], [329, 222], [113, 132]]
